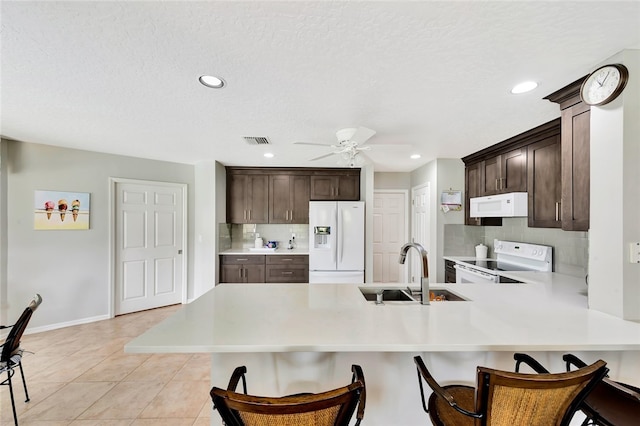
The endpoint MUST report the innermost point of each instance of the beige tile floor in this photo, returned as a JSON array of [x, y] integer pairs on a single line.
[[81, 376]]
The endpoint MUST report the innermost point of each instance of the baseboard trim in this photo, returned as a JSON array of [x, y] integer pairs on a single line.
[[33, 330]]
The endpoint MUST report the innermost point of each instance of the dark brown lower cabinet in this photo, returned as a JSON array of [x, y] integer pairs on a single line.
[[287, 269], [449, 271], [264, 268], [242, 269]]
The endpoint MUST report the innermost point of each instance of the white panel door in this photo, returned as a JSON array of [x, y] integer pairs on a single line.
[[419, 228], [350, 236], [149, 227], [389, 235]]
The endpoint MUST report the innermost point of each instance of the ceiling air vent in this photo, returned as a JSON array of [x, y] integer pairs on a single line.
[[256, 140]]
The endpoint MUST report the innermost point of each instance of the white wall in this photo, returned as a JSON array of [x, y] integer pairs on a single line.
[[4, 304], [392, 180], [366, 195], [205, 228], [69, 268], [441, 174], [614, 283]]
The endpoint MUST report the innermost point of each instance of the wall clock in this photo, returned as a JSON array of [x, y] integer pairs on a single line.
[[604, 84]]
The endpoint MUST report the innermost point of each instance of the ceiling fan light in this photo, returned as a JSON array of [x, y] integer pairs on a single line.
[[415, 156]]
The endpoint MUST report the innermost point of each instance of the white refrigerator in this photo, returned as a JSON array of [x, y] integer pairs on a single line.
[[336, 242]]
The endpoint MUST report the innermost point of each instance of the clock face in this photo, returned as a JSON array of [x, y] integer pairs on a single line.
[[604, 84]]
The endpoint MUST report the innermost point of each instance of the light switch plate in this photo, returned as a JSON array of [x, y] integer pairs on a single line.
[[634, 252]]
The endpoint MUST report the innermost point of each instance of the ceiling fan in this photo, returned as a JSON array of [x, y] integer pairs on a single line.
[[349, 146]]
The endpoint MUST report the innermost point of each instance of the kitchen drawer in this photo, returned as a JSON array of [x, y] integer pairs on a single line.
[[242, 259], [287, 274], [280, 259]]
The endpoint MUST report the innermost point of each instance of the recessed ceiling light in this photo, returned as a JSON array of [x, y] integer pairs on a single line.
[[211, 81], [524, 87], [268, 155], [415, 156]]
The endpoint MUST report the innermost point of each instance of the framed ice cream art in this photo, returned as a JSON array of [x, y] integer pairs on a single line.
[[61, 210]]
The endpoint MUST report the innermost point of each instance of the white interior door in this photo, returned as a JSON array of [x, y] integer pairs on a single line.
[[149, 240], [389, 235], [419, 227]]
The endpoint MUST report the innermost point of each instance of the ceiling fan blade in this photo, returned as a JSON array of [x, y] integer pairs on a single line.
[[311, 143], [362, 135], [390, 145], [365, 157], [322, 156]]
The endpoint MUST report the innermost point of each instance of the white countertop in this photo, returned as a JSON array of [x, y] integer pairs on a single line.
[[549, 314], [279, 251]]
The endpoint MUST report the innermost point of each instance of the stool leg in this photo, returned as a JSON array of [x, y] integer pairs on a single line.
[[13, 403], [24, 382]]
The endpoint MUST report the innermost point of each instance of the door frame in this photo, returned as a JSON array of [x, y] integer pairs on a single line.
[[414, 266], [113, 182], [407, 199]]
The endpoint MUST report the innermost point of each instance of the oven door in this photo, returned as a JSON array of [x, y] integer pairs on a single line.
[[465, 274]]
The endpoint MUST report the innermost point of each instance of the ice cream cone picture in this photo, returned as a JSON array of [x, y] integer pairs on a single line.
[[75, 207], [48, 206], [62, 208]]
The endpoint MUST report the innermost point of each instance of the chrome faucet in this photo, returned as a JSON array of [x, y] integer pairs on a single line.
[[424, 280]]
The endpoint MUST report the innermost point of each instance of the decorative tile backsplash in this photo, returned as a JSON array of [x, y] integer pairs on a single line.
[[570, 248], [243, 236]]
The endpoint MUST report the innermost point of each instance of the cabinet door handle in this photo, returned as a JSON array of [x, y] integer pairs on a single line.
[[501, 183], [496, 184], [558, 216], [241, 260], [249, 214], [240, 273], [287, 272], [286, 260]]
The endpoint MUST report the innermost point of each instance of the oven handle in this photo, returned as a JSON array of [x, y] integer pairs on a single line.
[[478, 274]]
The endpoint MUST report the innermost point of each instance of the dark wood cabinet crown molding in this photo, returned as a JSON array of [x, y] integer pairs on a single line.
[[568, 95], [518, 141], [307, 171]]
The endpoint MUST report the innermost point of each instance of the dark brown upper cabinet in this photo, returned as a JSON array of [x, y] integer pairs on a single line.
[[282, 194], [288, 199], [504, 173], [575, 153], [544, 183], [473, 188], [335, 185], [508, 167], [247, 198]]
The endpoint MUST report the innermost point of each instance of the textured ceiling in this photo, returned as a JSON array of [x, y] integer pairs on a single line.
[[122, 77]]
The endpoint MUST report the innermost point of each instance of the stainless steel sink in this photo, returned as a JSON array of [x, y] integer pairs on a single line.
[[404, 295], [391, 295], [445, 295]]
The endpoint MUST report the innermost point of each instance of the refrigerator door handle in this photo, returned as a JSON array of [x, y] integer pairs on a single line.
[[334, 252], [340, 235]]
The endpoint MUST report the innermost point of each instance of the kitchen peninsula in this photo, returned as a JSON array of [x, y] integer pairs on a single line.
[[304, 337]]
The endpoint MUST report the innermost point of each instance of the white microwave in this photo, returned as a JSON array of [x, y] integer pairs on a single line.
[[513, 204]]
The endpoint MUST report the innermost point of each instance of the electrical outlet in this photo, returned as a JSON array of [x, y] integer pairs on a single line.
[[634, 252]]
